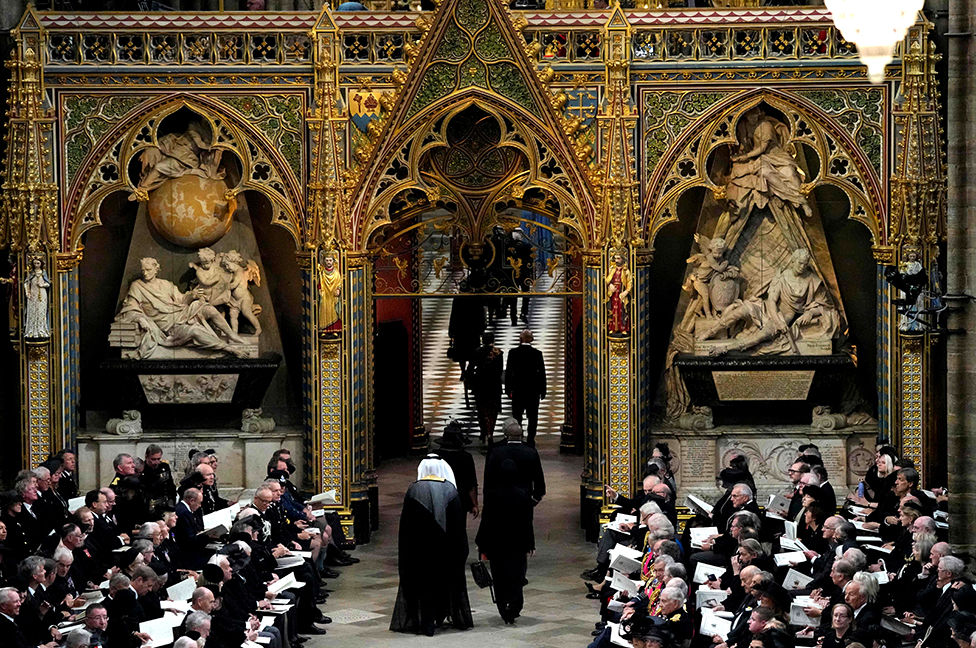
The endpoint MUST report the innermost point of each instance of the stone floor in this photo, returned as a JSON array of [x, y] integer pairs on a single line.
[[556, 612]]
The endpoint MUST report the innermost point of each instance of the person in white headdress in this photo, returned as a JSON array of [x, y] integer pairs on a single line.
[[433, 550]]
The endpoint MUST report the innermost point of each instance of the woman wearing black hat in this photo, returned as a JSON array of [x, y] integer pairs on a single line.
[[452, 451]]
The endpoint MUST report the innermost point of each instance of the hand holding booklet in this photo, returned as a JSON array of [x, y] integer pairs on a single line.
[[700, 534], [789, 558], [623, 584], [700, 505], [795, 580], [778, 506], [703, 571], [714, 625], [624, 559]]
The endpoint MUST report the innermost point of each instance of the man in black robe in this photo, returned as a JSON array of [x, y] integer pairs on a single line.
[[433, 548], [506, 538]]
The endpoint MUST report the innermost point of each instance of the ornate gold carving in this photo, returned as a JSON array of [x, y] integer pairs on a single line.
[[38, 395], [28, 206], [68, 262], [330, 417], [884, 254]]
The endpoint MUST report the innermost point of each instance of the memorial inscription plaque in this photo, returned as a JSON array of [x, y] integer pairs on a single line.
[[762, 385]]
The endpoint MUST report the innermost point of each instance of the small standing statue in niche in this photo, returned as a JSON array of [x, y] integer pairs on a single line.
[[330, 287], [35, 308], [710, 267], [618, 296]]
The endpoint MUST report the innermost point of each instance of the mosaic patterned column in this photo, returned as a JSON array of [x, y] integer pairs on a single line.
[[912, 390], [358, 330], [69, 349], [591, 489], [885, 335], [645, 382]]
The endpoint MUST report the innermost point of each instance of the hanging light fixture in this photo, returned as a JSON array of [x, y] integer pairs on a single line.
[[875, 26]]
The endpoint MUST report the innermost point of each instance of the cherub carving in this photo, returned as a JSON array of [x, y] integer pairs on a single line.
[[238, 297], [710, 265]]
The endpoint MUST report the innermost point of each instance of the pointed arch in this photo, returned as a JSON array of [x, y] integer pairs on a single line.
[[472, 54], [105, 169], [842, 162]]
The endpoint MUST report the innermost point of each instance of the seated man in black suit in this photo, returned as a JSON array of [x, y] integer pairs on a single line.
[[9, 611], [193, 547]]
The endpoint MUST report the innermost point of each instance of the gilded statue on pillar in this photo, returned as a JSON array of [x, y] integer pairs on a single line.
[[330, 289], [36, 285], [619, 283]]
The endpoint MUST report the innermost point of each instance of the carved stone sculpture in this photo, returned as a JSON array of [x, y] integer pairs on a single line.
[[36, 285], [183, 181], [166, 317], [698, 419], [130, 423], [823, 419], [796, 308], [712, 279], [253, 422]]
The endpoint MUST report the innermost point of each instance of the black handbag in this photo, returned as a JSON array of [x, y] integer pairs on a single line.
[[482, 577]]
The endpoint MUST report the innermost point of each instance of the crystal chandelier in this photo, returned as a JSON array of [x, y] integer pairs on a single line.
[[875, 26]]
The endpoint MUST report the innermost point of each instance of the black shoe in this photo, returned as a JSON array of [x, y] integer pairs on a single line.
[[596, 633], [298, 640], [593, 596], [329, 573], [321, 598], [312, 630], [599, 625], [592, 574], [346, 556], [324, 620]]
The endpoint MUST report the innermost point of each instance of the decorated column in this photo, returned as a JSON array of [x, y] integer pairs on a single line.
[[30, 228], [916, 229]]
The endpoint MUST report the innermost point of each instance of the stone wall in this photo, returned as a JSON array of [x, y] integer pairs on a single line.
[[701, 455], [243, 457]]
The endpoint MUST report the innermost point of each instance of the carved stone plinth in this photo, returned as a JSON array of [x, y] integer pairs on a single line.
[[216, 391], [764, 389]]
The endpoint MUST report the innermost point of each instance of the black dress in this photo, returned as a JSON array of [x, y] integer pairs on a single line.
[[432, 553]]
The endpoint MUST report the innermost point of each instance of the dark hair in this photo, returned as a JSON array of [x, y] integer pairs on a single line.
[[67, 529], [488, 338], [820, 472], [818, 512], [665, 451], [91, 497], [910, 475], [739, 462]]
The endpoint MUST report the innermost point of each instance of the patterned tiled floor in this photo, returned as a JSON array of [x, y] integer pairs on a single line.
[[556, 612], [443, 390]]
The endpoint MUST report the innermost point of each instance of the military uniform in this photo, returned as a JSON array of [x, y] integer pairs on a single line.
[[158, 486]]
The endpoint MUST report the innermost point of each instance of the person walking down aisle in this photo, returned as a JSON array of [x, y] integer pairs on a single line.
[[484, 376], [525, 382], [506, 539], [528, 465], [433, 548]]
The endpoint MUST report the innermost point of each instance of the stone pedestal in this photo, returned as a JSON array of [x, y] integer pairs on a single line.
[[243, 456], [701, 455]]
